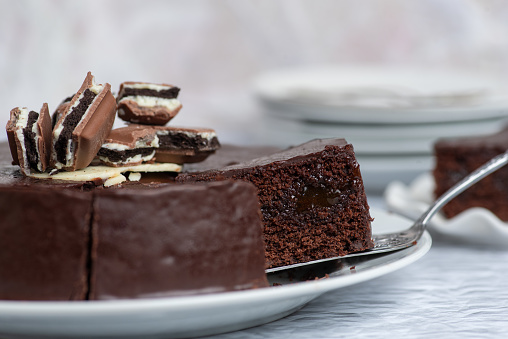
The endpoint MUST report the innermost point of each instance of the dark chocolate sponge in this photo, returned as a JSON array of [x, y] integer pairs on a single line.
[[456, 158], [312, 200]]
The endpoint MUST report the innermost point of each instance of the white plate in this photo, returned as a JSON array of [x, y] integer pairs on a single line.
[[375, 139], [384, 95], [475, 225], [199, 315]]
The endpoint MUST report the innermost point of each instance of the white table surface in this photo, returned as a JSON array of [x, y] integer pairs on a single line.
[[455, 291]]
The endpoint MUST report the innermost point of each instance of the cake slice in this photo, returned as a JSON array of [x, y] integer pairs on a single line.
[[312, 199], [148, 103], [29, 135], [83, 127], [457, 157]]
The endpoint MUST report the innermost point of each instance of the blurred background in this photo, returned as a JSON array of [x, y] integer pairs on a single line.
[[225, 55]]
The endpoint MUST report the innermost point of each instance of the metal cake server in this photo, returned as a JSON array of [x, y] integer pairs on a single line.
[[396, 241]]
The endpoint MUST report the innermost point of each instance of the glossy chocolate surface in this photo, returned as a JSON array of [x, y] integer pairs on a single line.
[[176, 240]]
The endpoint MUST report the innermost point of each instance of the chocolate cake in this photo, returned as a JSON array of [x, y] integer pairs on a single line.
[[45, 242], [457, 157], [176, 240], [312, 200], [181, 239]]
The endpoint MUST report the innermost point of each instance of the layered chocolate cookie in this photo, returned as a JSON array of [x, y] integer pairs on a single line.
[[29, 135], [185, 145], [127, 146], [148, 103], [83, 127]]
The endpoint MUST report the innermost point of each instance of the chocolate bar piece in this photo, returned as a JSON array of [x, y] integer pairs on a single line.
[[129, 146], [185, 145], [29, 135], [147, 103], [83, 127]]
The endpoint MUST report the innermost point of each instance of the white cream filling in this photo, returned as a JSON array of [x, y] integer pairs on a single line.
[[139, 144], [20, 124], [205, 135], [69, 157], [135, 159], [148, 101], [154, 87], [134, 176]]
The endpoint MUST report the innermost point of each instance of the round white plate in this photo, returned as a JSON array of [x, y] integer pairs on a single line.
[[474, 225], [384, 95], [375, 139], [200, 315]]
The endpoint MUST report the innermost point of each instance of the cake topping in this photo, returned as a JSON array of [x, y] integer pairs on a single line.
[[29, 135], [83, 126], [147, 103]]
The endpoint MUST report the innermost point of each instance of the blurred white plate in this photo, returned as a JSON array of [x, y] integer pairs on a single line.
[[476, 225], [375, 139], [199, 315], [384, 95]]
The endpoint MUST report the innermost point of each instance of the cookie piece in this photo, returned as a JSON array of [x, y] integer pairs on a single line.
[[185, 145], [84, 126], [147, 103], [129, 146], [29, 135]]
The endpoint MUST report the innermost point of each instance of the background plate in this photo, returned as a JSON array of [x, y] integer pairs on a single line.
[[383, 95]]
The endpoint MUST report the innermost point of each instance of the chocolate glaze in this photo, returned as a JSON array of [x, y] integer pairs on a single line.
[[45, 234], [188, 239], [312, 199]]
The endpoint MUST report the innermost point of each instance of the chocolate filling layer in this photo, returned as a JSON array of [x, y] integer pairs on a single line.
[[170, 93], [116, 156], [71, 121], [184, 141], [30, 142]]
